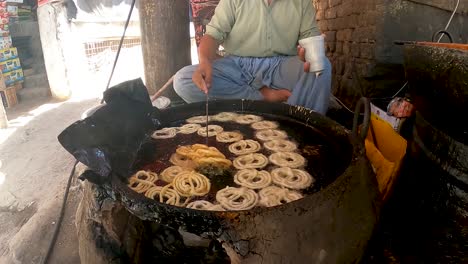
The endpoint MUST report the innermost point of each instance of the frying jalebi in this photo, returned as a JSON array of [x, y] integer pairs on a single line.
[[182, 161], [264, 125], [248, 119], [237, 199], [229, 136], [168, 132], [213, 130], [170, 173], [197, 120], [189, 128], [205, 205], [273, 196], [224, 117], [252, 178], [271, 134], [191, 183], [287, 159], [250, 161], [291, 178], [280, 145], [243, 147], [141, 181]]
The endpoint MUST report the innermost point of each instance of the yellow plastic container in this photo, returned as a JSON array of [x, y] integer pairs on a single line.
[[386, 154]]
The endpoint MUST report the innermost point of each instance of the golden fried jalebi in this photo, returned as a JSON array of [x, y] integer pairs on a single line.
[[191, 183], [219, 162], [170, 173], [203, 155], [141, 181], [166, 195], [182, 161]]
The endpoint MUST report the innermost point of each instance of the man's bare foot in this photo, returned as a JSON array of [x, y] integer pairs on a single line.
[[275, 95]]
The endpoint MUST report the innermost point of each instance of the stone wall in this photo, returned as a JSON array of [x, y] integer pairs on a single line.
[[360, 37]]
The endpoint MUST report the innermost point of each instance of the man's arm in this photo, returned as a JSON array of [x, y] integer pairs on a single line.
[[309, 26], [208, 48], [206, 55], [216, 32], [308, 29]]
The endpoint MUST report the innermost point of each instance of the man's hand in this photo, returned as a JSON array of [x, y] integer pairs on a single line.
[[202, 76], [301, 54]]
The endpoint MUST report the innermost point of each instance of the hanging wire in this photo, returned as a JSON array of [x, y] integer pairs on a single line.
[[450, 20]]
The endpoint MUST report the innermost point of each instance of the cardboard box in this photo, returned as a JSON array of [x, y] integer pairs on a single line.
[[4, 11], [18, 86], [5, 42], [12, 11], [10, 65], [13, 77], [9, 97], [392, 121], [4, 20], [8, 54], [4, 30]]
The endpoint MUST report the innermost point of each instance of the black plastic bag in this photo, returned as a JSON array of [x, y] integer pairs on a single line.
[[108, 140]]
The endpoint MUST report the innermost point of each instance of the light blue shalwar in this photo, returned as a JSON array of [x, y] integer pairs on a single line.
[[242, 77]]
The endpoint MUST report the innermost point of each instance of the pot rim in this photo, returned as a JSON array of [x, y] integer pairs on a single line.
[[357, 153]]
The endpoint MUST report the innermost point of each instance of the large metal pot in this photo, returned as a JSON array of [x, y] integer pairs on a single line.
[[438, 80], [332, 225]]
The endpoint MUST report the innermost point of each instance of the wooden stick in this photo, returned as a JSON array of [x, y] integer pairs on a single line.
[[160, 91]]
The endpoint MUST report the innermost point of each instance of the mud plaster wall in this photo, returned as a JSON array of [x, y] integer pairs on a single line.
[[360, 36]]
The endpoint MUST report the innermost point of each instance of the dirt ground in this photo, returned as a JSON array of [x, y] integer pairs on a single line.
[[34, 170]]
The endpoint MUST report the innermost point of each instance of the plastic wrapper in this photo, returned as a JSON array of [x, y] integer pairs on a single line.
[[400, 107], [108, 140]]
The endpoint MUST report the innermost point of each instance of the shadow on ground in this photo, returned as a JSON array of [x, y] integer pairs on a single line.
[[34, 169]]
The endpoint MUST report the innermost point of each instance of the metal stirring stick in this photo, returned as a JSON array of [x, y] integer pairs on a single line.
[[206, 109], [207, 119]]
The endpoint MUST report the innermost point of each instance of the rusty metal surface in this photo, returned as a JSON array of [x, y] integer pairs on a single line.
[[438, 80], [330, 226]]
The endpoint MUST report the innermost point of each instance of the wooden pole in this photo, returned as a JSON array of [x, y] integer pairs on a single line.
[[165, 40]]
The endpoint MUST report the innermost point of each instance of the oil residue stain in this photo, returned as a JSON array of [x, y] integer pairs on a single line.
[[324, 162]]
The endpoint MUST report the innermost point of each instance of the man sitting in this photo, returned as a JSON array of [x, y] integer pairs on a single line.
[[264, 61]]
